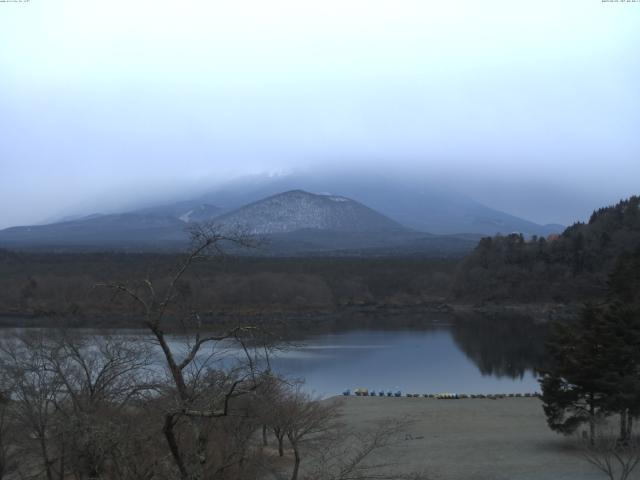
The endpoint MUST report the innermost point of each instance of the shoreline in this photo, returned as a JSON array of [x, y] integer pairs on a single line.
[[439, 313]]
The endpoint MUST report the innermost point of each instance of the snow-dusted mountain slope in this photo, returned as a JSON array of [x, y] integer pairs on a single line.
[[293, 223], [188, 212], [416, 202], [297, 210]]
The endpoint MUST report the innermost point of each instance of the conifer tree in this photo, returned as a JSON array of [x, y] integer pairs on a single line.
[[594, 363], [571, 384]]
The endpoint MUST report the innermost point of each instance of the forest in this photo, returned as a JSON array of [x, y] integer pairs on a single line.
[[63, 285], [571, 267]]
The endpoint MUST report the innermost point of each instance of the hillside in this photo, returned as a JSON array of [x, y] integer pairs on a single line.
[[418, 203], [571, 266], [293, 223], [188, 211], [121, 231], [297, 210]]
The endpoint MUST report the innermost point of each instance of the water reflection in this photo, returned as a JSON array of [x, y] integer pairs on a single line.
[[504, 346], [471, 356], [437, 354]]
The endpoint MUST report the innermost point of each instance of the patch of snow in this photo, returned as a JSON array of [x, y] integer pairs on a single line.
[[186, 216]]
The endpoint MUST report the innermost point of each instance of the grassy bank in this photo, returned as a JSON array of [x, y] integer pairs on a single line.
[[471, 439]]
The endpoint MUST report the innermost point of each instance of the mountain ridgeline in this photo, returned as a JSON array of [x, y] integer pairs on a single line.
[[297, 210], [417, 202], [364, 214], [572, 266], [291, 223]]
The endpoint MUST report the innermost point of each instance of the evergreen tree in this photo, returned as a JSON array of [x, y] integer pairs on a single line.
[[571, 384], [620, 382], [622, 319], [595, 362], [624, 281]]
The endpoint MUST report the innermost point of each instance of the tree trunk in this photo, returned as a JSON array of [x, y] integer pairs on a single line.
[[623, 428], [296, 462], [592, 423], [167, 429], [175, 370], [281, 446], [201, 451], [629, 424], [45, 455], [264, 436], [61, 473]]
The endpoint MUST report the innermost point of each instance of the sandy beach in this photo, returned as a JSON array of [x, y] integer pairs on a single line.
[[472, 439]]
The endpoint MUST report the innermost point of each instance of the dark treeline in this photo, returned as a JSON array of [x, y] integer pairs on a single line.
[[570, 267], [567, 268], [64, 284]]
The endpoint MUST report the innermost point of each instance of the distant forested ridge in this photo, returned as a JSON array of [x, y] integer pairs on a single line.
[[569, 267], [63, 284]]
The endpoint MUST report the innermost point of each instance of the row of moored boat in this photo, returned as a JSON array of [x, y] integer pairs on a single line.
[[365, 392]]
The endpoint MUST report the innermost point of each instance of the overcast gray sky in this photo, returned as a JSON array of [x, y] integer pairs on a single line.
[[530, 107]]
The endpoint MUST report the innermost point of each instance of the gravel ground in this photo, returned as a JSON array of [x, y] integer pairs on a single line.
[[472, 439]]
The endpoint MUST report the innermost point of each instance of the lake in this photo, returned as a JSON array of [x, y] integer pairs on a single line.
[[476, 355], [431, 360]]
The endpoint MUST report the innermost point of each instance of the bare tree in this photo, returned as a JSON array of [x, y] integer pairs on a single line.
[[275, 411], [36, 392], [69, 395], [350, 455], [270, 415], [307, 420], [8, 450], [195, 399], [103, 407], [102, 376], [615, 459]]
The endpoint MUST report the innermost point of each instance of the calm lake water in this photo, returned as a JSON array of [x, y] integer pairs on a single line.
[[414, 361], [473, 356]]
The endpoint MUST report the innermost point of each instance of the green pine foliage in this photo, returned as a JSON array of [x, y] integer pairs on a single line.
[[571, 386], [594, 362]]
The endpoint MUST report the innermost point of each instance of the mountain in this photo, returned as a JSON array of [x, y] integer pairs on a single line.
[[292, 223], [298, 210], [162, 226], [414, 201], [188, 211], [122, 231], [298, 222]]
